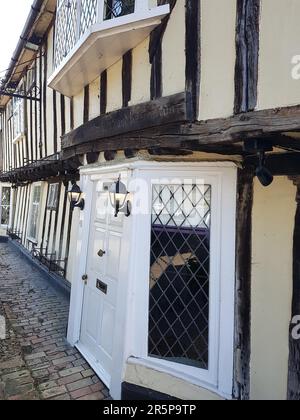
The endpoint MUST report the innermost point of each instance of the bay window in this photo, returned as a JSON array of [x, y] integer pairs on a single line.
[[88, 34]]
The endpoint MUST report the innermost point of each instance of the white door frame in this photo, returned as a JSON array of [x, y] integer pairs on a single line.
[[126, 343], [88, 177]]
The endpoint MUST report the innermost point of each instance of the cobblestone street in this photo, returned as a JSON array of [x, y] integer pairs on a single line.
[[36, 363]]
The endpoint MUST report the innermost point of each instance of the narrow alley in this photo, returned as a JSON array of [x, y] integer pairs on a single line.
[[36, 362]]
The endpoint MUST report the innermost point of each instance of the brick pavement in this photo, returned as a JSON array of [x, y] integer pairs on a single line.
[[36, 362]]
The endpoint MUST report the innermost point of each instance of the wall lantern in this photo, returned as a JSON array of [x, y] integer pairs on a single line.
[[263, 174], [74, 197], [260, 147], [118, 197]]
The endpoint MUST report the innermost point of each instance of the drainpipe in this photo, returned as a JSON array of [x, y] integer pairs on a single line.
[[33, 14]]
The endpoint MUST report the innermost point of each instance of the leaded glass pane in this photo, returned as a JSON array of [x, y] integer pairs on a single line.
[[65, 29], [179, 274], [117, 8], [88, 14]]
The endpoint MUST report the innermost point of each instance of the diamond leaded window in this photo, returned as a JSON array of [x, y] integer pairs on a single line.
[[117, 8], [179, 274]]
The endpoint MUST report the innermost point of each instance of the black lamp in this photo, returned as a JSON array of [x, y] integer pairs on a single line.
[[118, 194], [74, 197], [263, 174]]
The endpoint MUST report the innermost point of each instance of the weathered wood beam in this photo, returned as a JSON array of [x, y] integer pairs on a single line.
[[241, 388], [162, 151], [162, 111], [293, 392], [247, 48], [166, 122], [193, 52], [92, 157]]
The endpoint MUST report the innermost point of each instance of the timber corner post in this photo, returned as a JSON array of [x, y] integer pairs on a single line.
[[242, 344], [293, 389]]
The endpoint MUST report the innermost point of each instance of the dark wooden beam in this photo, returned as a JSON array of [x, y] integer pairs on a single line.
[[135, 118], [168, 151], [126, 78], [92, 157], [247, 50], [241, 388], [103, 92], [294, 345], [86, 104], [193, 52], [110, 155]]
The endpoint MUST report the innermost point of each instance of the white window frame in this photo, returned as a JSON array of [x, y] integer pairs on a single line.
[[18, 119], [52, 202], [29, 237], [10, 205], [219, 376]]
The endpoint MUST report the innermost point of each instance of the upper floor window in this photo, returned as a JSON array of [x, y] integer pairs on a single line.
[[75, 17], [52, 202], [34, 212], [18, 117]]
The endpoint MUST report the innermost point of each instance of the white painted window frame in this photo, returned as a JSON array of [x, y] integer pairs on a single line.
[[219, 376], [18, 114], [28, 236], [131, 335], [5, 185]]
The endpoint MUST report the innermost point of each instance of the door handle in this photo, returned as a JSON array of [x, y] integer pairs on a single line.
[[101, 253], [85, 279]]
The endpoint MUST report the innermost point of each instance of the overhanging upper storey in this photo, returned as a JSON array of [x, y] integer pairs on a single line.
[[92, 35]]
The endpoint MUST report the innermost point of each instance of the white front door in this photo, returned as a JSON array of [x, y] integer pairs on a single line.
[[101, 287]]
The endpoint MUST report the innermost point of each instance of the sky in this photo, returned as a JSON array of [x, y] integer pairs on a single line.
[[13, 14]]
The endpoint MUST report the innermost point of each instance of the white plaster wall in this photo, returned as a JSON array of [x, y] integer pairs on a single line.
[[279, 42], [218, 56], [114, 87], [94, 106], [173, 52], [272, 244], [78, 101], [141, 74]]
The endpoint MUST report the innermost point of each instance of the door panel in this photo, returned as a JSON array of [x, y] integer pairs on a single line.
[[100, 295]]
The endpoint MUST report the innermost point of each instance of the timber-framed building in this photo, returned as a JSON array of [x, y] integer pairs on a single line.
[[190, 290]]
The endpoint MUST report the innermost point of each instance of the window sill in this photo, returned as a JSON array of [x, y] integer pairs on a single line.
[[84, 63], [175, 371]]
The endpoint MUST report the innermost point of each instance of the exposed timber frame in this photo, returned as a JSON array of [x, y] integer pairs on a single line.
[[193, 53], [155, 53], [293, 392], [168, 122], [126, 78], [247, 49], [241, 386]]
